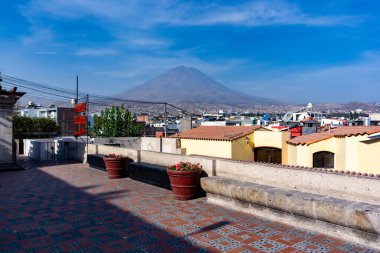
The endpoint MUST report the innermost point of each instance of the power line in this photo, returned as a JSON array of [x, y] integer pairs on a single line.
[[34, 84], [55, 91], [71, 92], [25, 87]]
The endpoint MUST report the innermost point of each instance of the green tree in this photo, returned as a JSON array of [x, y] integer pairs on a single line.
[[25, 127], [116, 121]]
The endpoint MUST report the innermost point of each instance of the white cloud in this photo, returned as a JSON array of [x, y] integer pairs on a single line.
[[148, 42], [145, 14], [96, 52], [259, 13], [38, 35]]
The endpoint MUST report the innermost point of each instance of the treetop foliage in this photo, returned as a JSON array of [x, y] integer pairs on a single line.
[[26, 128], [116, 121]]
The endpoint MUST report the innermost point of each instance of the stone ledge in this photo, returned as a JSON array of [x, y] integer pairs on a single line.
[[354, 215], [322, 227]]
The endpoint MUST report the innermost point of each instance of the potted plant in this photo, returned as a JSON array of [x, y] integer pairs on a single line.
[[115, 165], [184, 179]]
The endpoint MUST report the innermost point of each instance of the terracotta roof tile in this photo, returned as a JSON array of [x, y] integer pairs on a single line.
[[342, 131], [228, 133], [355, 130]]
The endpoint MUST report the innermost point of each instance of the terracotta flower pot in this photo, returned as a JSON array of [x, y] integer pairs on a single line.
[[184, 183], [115, 166]]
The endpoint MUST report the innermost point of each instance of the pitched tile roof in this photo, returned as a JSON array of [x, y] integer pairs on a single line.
[[228, 133], [342, 131]]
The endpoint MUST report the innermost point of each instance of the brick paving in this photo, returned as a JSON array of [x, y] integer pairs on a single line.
[[69, 207]]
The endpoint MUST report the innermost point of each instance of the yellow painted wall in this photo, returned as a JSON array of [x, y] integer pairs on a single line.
[[207, 147], [265, 138], [292, 154], [350, 153], [369, 161], [241, 150], [273, 139], [304, 153], [285, 151], [340, 162], [237, 149]]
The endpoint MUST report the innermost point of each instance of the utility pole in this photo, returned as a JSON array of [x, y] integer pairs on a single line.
[[166, 118], [77, 98], [87, 112]]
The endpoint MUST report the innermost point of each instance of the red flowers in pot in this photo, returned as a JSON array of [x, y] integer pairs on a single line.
[[184, 179]]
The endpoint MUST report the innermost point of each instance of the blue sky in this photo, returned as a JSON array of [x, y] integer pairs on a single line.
[[318, 51]]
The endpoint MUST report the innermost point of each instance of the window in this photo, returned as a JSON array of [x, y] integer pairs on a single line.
[[323, 159], [268, 155]]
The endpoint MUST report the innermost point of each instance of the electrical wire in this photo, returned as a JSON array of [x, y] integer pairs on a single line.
[[25, 87], [66, 93]]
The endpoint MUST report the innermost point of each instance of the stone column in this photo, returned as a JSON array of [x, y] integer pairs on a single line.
[[7, 101]]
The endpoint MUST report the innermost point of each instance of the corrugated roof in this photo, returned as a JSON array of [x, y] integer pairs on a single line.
[[228, 133], [342, 131]]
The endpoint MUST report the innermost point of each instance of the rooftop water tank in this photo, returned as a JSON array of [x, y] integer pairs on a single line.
[[367, 121]]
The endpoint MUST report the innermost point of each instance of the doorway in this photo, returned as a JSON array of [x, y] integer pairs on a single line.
[[268, 155]]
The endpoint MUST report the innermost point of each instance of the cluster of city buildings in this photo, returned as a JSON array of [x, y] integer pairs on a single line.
[[303, 138]]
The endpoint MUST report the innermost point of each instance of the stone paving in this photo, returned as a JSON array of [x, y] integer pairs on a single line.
[[70, 207]]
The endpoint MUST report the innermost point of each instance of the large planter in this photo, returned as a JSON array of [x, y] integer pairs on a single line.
[[184, 183], [115, 166]]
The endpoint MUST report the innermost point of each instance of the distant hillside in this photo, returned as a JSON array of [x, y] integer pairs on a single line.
[[189, 85]]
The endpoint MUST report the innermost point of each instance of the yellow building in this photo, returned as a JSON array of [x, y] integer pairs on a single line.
[[252, 143], [270, 145], [355, 148], [233, 142]]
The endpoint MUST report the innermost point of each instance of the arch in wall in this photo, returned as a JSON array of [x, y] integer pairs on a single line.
[[323, 159], [268, 155]]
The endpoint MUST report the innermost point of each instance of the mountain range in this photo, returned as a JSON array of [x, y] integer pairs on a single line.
[[190, 85]]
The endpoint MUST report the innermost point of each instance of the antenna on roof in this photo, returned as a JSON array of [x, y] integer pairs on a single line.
[[287, 117]]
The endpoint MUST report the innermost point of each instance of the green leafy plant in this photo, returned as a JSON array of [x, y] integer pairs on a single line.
[[25, 127], [187, 166], [116, 121]]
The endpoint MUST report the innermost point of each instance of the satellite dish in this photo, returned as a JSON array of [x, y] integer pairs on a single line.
[[287, 117], [309, 107]]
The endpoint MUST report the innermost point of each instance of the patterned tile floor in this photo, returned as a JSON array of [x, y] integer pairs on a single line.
[[69, 207]]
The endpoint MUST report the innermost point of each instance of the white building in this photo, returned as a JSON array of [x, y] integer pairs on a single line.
[[333, 122]]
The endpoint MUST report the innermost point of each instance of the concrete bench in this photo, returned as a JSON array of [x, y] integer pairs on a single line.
[[354, 215], [96, 162], [149, 173], [156, 175]]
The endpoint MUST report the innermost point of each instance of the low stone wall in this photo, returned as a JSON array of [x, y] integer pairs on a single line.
[[355, 215], [342, 186], [124, 142], [165, 145], [349, 220], [106, 150], [166, 159]]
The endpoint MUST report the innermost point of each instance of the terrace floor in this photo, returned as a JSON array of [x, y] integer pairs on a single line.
[[70, 207]]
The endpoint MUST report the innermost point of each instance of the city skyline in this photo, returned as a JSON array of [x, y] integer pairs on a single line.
[[289, 50]]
